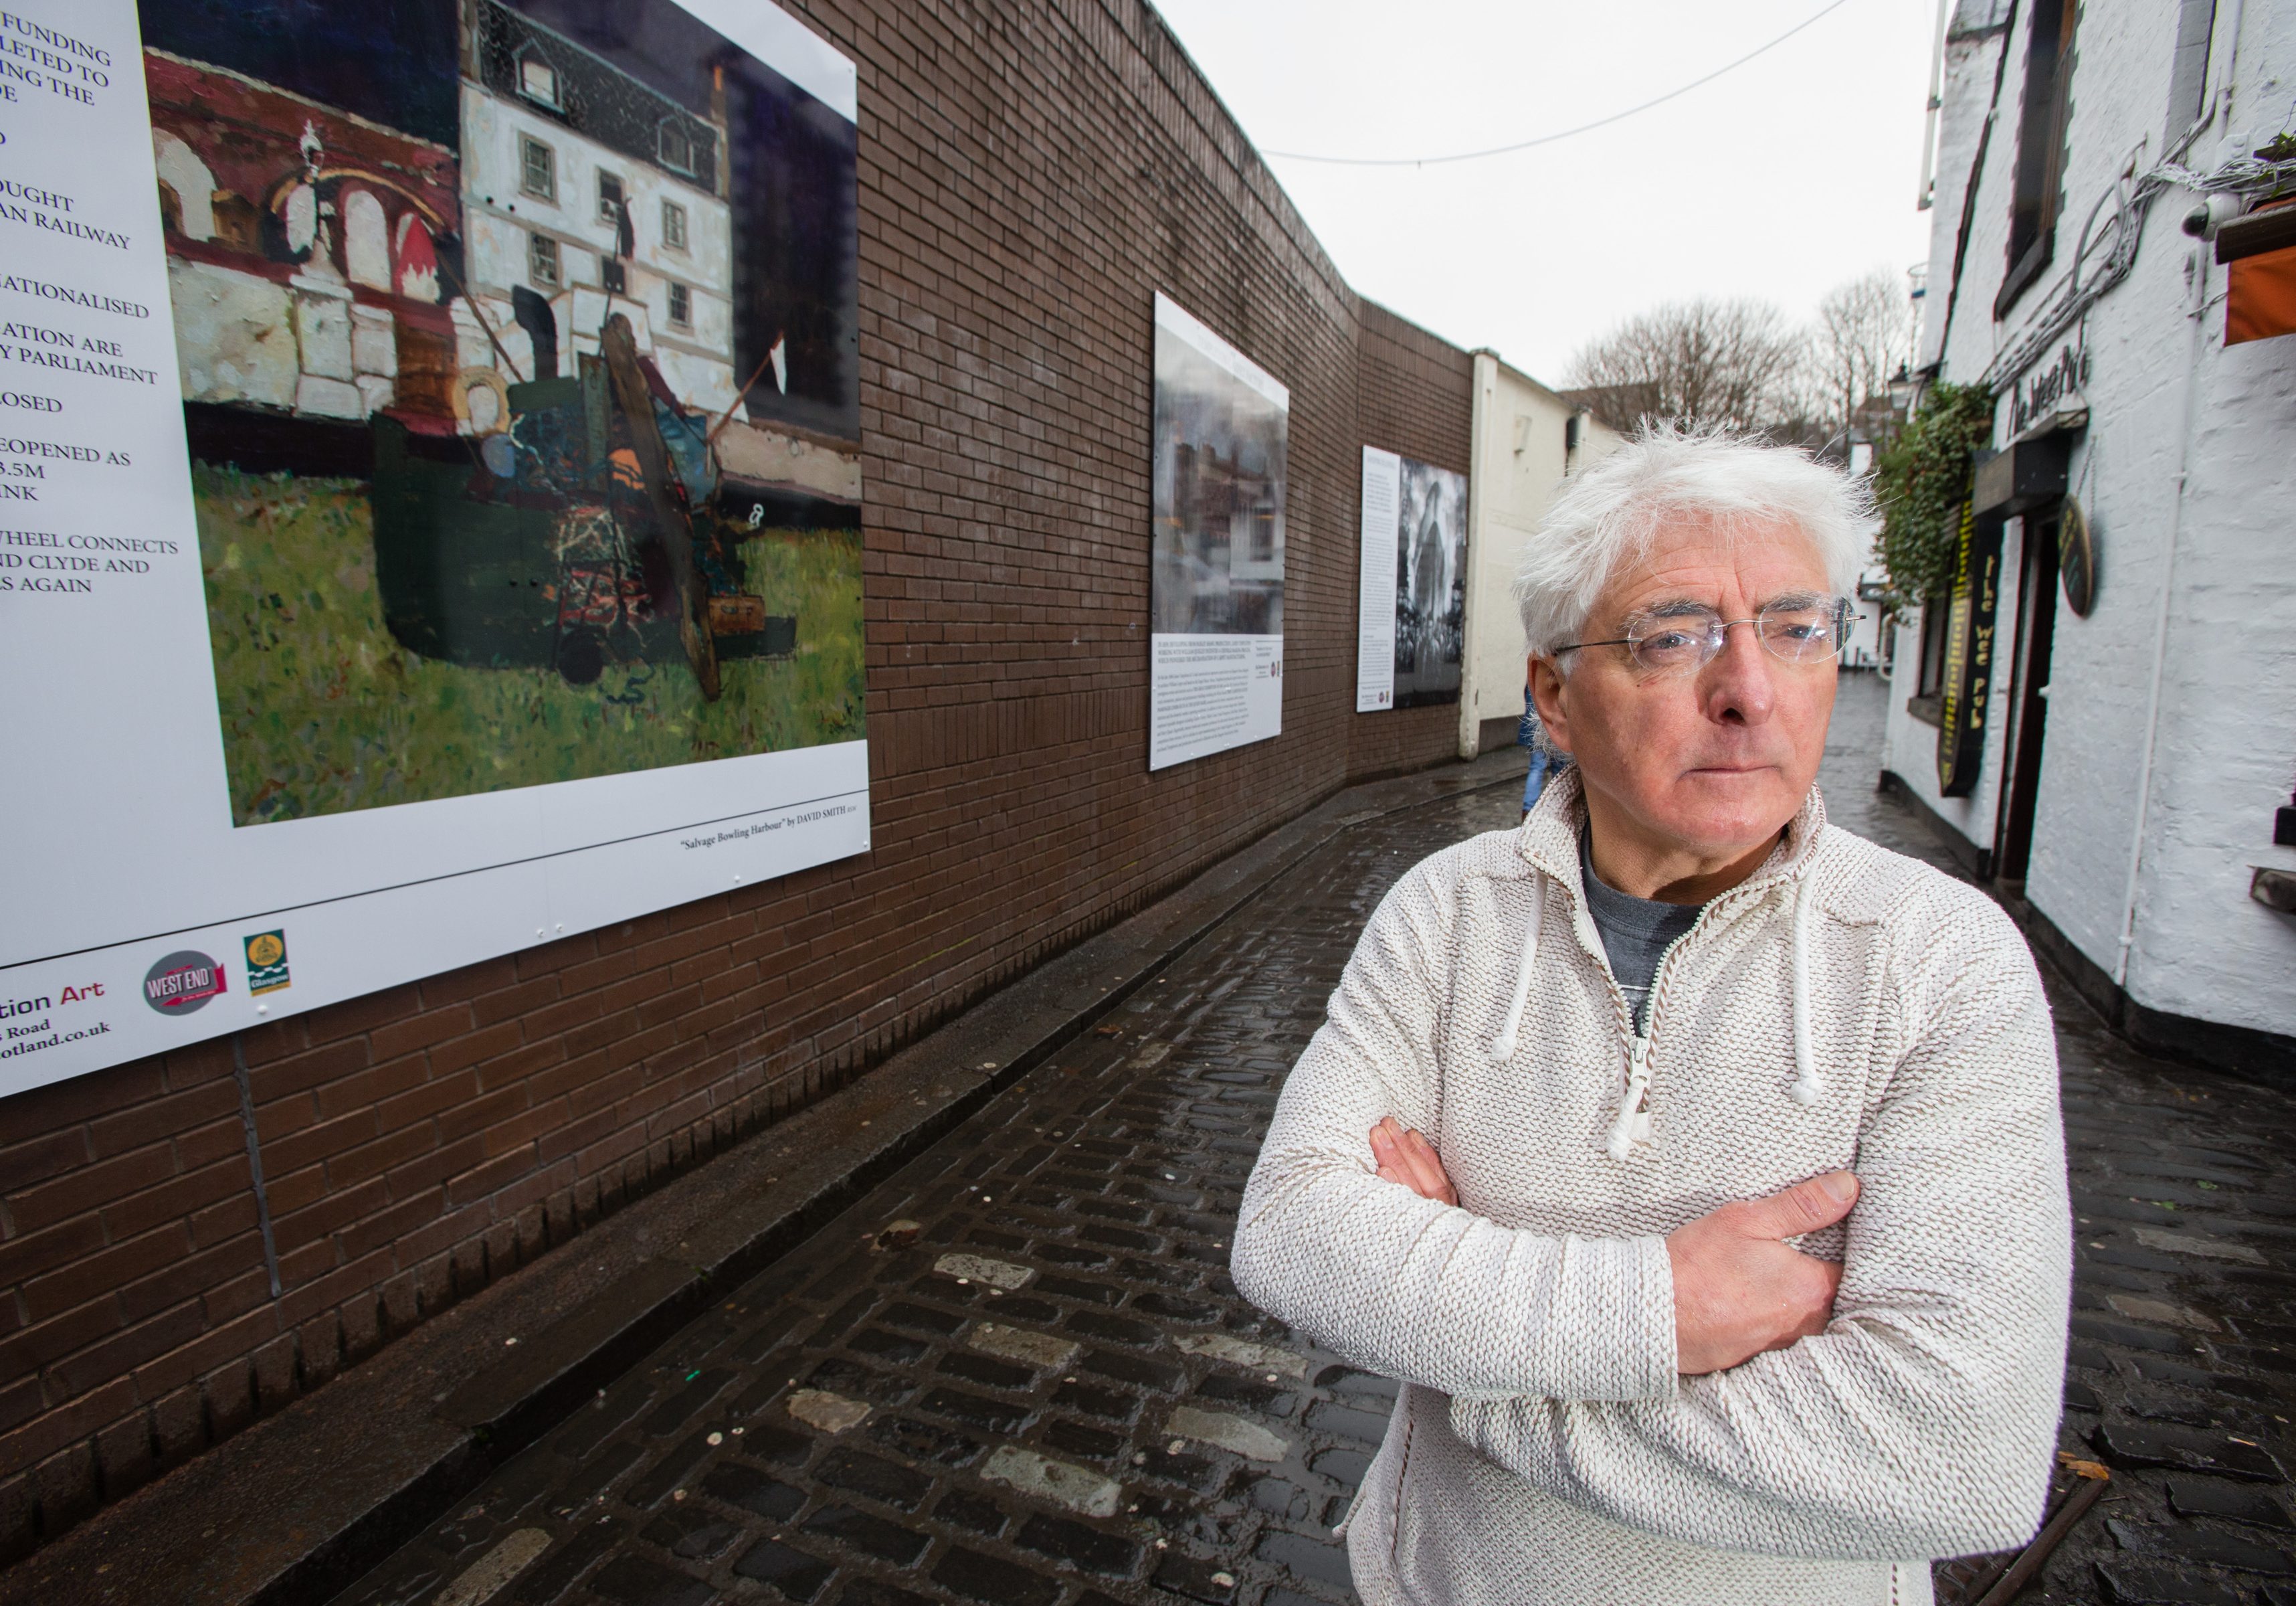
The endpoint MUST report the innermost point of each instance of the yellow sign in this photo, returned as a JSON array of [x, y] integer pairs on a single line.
[[1968, 655]]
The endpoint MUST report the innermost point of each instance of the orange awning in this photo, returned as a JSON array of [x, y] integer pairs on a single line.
[[2262, 302]]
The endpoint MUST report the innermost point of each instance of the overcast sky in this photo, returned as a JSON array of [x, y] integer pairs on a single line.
[[1796, 171]]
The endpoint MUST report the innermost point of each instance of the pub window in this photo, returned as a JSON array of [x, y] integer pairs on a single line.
[[2188, 69], [2039, 172], [610, 198], [673, 225], [681, 305], [537, 168], [676, 145], [1931, 680], [542, 260]]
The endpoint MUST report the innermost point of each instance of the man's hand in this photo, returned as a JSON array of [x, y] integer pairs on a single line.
[[1404, 1156], [1738, 1291]]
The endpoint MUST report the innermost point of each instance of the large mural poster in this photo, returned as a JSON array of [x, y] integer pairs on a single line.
[[440, 470], [1216, 672], [1412, 607], [1431, 584]]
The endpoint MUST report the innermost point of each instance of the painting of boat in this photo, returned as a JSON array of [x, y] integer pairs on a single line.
[[592, 522]]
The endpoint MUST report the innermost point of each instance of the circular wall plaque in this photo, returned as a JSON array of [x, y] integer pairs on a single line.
[[2076, 557]]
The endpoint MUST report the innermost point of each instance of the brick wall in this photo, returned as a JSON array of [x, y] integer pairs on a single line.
[[1031, 172]]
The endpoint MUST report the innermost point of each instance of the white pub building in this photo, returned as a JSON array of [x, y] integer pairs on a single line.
[[2104, 716]]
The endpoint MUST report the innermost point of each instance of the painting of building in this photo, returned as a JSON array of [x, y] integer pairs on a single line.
[[303, 261], [1431, 584], [1218, 489], [590, 193], [1216, 481], [517, 373]]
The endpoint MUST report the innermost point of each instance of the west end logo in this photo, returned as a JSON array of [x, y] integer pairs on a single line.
[[182, 983]]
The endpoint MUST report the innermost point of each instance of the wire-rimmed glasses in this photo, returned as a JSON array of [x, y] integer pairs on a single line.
[[1679, 639]]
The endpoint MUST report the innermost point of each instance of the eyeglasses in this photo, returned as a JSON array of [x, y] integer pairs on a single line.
[[1681, 637]]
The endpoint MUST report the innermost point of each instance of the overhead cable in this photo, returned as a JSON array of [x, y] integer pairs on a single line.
[[1548, 139]]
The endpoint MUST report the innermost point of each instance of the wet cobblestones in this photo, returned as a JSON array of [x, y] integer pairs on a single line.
[[1018, 1374]]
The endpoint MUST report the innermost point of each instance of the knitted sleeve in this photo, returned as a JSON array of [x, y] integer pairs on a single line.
[[1921, 1422], [1403, 1286]]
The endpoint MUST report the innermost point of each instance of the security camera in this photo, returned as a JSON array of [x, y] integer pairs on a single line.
[[2203, 220]]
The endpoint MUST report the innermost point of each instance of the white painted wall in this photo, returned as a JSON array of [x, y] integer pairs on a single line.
[[1973, 47], [1861, 648], [2172, 711], [1508, 490]]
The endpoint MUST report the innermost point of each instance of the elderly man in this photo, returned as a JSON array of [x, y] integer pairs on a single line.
[[1697, 1166]]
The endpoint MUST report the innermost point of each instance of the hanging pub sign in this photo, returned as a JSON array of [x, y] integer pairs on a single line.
[[2077, 558], [1968, 654]]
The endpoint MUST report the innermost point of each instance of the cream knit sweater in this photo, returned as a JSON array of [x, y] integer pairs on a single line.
[[1844, 1007]]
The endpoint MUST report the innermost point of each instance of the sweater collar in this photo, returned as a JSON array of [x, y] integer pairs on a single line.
[[1548, 839]]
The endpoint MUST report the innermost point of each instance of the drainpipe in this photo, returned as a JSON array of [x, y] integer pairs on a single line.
[[2198, 314], [2160, 621], [1927, 197], [1479, 467]]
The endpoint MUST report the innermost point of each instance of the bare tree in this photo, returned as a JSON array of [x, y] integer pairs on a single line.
[[1729, 362], [1864, 333]]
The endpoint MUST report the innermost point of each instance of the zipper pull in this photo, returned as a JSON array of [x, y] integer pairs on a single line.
[[1633, 1121]]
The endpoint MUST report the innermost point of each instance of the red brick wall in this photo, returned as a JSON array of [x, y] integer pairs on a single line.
[[1031, 172]]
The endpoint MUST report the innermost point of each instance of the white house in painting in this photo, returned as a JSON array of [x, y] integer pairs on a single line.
[[595, 195]]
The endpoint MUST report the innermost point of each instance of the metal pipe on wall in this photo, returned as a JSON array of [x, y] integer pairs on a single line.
[[2221, 103], [1479, 473]]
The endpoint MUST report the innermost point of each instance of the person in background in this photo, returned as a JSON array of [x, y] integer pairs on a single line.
[[1696, 1165], [1544, 759]]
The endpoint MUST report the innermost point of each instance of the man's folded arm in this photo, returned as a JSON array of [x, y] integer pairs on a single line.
[[1400, 1285], [1921, 1422]]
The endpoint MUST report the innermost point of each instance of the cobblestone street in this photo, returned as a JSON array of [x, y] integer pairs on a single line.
[[1017, 1373]]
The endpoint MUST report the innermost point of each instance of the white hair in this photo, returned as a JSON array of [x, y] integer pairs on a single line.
[[1607, 516]]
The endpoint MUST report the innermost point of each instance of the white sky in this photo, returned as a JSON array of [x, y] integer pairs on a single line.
[[1795, 172]]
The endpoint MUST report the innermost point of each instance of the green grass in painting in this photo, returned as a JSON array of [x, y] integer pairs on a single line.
[[324, 711]]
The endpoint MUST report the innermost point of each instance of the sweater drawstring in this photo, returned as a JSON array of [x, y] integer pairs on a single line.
[[1808, 1087], [1503, 1045]]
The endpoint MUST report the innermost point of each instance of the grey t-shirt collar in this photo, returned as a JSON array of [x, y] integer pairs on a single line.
[[1635, 932]]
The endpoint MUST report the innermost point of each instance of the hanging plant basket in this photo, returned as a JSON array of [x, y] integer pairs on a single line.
[[1921, 482]]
